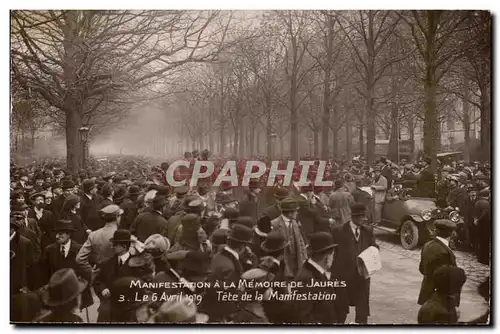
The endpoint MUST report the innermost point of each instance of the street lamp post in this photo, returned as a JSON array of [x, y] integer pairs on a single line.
[[84, 136]]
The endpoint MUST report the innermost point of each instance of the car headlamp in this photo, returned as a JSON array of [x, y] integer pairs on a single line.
[[454, 216], [426, 215]]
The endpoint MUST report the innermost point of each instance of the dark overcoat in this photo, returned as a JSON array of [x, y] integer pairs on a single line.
[[314, 311], [130, 212], [226, 269], [249, 206], [346, 268], [52, 260], [80, 233], [434, 255], [34, 234], [46, 224], [149, 223], [89, 212], [109, 271], [20, 263]]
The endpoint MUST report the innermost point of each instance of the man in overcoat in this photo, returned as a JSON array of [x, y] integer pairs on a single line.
[[112, 269], [130, 207], [151, 222], [62, 253], [353, 238], [21, 258], [340, 203], [316, 270], [311, 214], [249, 206], [226, 268], [441, 308], [436, 253], [89, 202], [43, 217], [286, 223]]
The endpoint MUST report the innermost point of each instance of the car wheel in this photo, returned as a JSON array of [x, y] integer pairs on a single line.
[[409, 235]]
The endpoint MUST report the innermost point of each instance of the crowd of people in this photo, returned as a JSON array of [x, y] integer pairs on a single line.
[[117, 230]]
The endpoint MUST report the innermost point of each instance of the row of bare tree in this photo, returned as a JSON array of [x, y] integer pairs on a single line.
[[227, 79]]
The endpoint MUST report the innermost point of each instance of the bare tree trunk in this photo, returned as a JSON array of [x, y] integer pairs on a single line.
[[316, 144], [411, 129], [268, 130], [252, 140], [335, 133], [282, 144], [466, 119], [370, 90], [242, 140], [294, 126], [485, 123], [210, 124], [392, 153], [361, 139], [348, 137], [32, 137], [73, 145], [257, 138], [326, 89], [73, 116], [236, 138], [431, 125]]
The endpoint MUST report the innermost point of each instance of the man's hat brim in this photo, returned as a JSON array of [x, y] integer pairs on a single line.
[[269, 250], [332, 246], [240, 240]]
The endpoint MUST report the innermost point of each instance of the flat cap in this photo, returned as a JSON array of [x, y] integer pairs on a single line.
[[445, 224], [111, 210]]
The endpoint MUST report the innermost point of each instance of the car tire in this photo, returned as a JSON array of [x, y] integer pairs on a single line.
[[409, 235]]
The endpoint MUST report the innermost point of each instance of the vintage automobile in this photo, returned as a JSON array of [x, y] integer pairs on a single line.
[[412, 218]]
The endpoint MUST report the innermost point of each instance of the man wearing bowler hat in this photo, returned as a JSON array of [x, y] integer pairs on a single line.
[[62, 253], [112, 269], [353, 238], [436, 253], [226, 267], [296, 251], [130, 206], [315, 270], [273, 249]]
